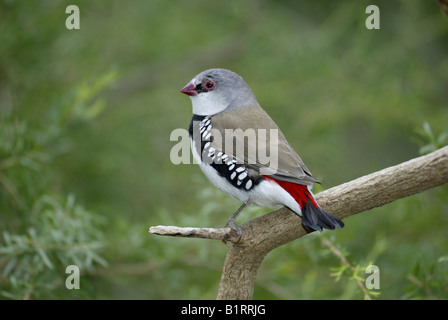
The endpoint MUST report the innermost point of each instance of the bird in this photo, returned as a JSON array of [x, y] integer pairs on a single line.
[[225, 115]]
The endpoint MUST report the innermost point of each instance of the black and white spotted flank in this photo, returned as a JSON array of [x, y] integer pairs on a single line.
[[237, 174]]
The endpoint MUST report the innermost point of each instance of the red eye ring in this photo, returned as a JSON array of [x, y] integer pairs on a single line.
[[209, 85]]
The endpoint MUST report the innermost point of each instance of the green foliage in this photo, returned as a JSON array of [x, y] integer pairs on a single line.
[[428, 279], [44, 230], [58, 235], [346, 268], [429, 141], [87, 114]]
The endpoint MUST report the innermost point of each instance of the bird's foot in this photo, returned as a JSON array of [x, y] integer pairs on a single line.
[[235, 230], [234, 227]]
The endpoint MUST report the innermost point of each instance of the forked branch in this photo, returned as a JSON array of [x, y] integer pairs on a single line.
[[263, 234]]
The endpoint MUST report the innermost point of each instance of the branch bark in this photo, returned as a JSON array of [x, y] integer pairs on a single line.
[[263, 234], [224, 234]]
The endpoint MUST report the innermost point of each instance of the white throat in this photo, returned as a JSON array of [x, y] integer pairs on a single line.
[[207, 104]]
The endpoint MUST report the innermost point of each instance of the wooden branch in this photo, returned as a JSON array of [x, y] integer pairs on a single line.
[[263, 234], [224, 234]]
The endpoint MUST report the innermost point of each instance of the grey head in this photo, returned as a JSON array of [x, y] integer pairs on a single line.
[[216, 90]]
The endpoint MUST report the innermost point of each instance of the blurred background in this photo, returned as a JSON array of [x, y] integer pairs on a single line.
[[85, 123]]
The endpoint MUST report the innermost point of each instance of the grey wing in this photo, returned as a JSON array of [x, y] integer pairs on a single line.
[[274, 156], [291, 167]]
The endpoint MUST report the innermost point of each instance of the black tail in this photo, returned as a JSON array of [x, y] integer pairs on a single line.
[[315, 218]]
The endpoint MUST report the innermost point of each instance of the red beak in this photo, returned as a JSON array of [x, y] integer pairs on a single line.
[[190, 89]]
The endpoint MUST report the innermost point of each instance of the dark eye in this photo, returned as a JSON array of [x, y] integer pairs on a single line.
[[209, 85]]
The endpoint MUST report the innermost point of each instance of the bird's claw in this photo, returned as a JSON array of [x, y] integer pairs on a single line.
[[234, 229]]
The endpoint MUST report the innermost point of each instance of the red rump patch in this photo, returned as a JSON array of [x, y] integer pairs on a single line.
[[299, 192]]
